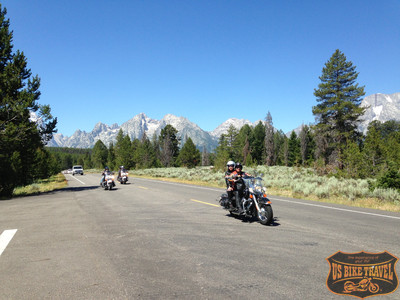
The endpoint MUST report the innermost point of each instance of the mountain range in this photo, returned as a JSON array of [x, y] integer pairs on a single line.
[[380, 107], [140, 124]]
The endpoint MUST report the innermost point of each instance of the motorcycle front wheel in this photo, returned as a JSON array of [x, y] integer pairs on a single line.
[[265, 215]]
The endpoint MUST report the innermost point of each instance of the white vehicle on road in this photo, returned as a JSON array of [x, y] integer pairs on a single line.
[[77, 170]]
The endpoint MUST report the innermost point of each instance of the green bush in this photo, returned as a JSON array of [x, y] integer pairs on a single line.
[[389, 180]]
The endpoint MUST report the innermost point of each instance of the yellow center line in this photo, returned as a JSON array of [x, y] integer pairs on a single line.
[[205, 203], [142, 187]]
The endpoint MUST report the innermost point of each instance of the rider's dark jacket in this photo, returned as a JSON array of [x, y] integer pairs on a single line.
[[234, 175]]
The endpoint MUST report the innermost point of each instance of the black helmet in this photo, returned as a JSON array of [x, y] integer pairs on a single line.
[[238, 165], [106, 168]]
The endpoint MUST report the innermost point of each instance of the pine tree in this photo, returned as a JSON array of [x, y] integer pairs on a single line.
[[111, 157], [242, 143], [99, 155], [392, 150], [189, 155], [205, 159], [169, 144], [381, 146], [374, 149], [285, 151], [222, 155], [123, 148], [279, 144], [145, 155], [269, 140], [231, 142], [20, 138], [306, 145], [257, 143], [134, 147], [293, 149], [353, 162], [87, 161], [247, 159], [338, 111]]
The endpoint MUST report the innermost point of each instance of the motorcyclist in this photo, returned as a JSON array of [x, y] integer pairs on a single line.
[[120, 171], [103, 175], [230, 169], [238, 184]]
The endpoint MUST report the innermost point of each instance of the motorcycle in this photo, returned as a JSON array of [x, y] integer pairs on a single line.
[[108, 182], [123, 179], [252, 196], [362, 286]]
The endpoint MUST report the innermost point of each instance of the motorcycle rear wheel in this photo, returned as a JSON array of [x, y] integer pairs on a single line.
[[266, 215]]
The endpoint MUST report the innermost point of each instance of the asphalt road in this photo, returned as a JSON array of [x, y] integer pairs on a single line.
[[160, 240]]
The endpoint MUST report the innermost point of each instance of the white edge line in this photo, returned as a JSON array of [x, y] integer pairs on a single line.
[[337, 208], [77, 179], [5, 238], [291, 201]]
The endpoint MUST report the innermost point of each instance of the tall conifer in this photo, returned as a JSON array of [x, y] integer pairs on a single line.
[[338, 111], [20, 136]]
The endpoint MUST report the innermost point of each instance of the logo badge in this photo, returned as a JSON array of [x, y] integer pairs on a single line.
[[362, 274]]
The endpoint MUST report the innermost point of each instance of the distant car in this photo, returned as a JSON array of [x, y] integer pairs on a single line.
[[77, 170]]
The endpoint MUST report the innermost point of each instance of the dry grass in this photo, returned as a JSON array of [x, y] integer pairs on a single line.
[[359, 202], [55, 182]]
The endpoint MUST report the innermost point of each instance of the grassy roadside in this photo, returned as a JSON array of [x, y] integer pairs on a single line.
[[214, 179], [55, 182]]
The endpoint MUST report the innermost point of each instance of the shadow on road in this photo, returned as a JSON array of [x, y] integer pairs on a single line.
[[254, 220], [79, 188]]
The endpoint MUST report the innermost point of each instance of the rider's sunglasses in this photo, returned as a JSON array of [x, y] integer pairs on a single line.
[[231, 166]]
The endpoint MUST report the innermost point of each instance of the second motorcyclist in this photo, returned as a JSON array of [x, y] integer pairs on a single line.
[[120, 171]]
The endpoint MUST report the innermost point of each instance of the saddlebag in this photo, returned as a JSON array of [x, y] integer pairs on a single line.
[[224, 200]]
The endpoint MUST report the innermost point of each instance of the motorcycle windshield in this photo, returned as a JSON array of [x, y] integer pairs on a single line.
[[248, 182], [109, 176], [258, 182]]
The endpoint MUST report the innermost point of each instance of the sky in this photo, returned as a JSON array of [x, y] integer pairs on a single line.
[[207, 61]]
